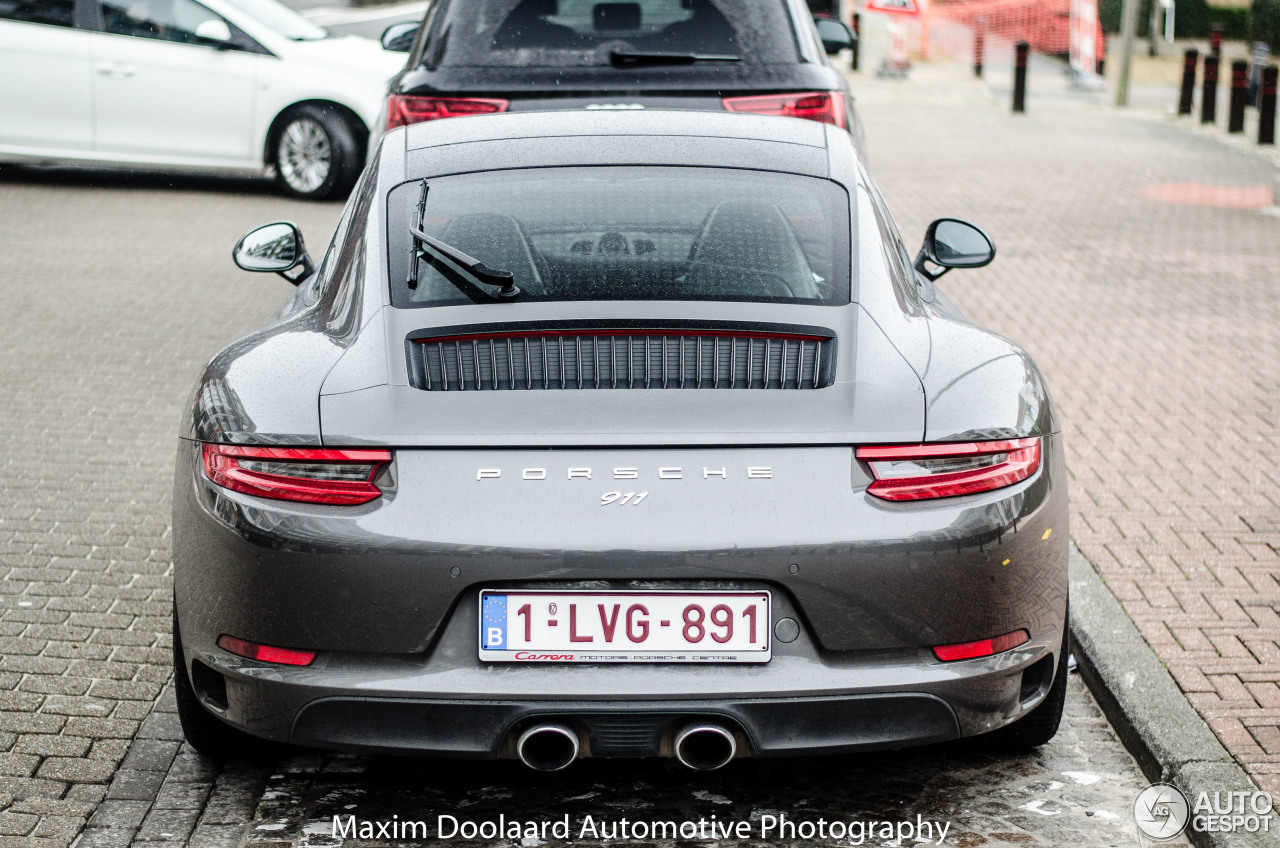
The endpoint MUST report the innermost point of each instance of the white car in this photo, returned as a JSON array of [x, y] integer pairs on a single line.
[[241, 86]]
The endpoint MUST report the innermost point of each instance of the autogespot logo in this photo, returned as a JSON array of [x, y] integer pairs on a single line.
[[1161, 811]]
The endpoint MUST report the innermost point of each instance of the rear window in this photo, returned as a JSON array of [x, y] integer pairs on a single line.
[[629, 233], [573, 33]]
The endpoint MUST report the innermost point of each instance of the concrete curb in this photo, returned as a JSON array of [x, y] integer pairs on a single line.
[[1170, 741]]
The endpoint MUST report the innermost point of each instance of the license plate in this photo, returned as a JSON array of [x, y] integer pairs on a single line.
[[633, 627]]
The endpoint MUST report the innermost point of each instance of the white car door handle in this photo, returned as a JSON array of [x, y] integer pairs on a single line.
[[116, 69]]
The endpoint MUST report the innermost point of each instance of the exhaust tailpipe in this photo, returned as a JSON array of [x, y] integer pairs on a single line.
[[547, 747], [705, 746]]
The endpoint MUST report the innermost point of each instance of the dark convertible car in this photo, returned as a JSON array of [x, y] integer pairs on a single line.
[[619, 435]]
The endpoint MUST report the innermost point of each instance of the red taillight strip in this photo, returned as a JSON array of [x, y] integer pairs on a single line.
[[645, 333], [222, 467], [826, 107], [406, 109], [1021, 462], [264, 653], [982, 647]]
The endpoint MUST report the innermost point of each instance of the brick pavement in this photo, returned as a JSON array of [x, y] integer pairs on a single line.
[[1158, 327], [113, 299]]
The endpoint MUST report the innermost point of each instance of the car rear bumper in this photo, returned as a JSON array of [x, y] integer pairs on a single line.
[[389, 600], [447, 702], [775, 727]]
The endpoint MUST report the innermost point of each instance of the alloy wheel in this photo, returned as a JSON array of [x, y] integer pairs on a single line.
[[304, 155]]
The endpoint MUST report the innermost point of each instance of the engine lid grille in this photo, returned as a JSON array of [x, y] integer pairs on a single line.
[[622, 359]]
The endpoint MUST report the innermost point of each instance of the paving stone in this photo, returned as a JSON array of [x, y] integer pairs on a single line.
[[234, 799], [191, 767], [109, 749], [182, 795], [168, 825], [62, 828], [120, 814], [77, 769], [135, 785], [150, 755], [18, 765], [17, 824], [30, 787], [53, 746], [216, 836], [161, 726], [54, 806], [90, 793], [97, 837]]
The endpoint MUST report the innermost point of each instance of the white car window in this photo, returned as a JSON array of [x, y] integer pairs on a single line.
[[167, 20], [53, 12]]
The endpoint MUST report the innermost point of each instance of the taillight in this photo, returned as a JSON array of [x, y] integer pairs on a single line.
[[265, 653], [917, 472], [405, 109], [305, 475], [982, 647], [824, 106]]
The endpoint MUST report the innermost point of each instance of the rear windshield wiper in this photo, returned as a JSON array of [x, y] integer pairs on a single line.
[[627, 58], [461, 269]]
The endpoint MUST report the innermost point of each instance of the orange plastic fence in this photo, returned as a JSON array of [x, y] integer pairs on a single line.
[[1044, 24]]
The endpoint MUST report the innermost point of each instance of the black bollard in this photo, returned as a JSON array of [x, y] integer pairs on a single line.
[[857, 40], [1267, 106], [1209, 96], [1239, 93], [1188, 81], [979, 36], [1215, 41], [1020, 77]]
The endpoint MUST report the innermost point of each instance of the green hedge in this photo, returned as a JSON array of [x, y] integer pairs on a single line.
[[1264, 23], [1193, 18]]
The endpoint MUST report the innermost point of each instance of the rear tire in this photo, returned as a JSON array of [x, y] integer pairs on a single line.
[[1040, 725], [315, 153], [207, 734]]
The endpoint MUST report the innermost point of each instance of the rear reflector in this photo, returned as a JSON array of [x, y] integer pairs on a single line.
[[303, 475], [404, 109], [264, 653], [917, 472], [826, 107], [981, 648]]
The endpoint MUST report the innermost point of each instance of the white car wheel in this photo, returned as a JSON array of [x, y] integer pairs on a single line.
[[315, 153], [304, 155]]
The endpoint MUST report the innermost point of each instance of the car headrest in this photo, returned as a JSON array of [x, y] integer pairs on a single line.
[[496, 240], [751, 234], [612, 17]]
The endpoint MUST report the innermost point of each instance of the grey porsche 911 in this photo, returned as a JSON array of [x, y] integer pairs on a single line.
[[619, 435]]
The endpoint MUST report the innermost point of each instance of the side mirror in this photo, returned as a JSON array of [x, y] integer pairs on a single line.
[[951, 243], [275, 247], [835, 35], [398, 38], [214, 32]]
